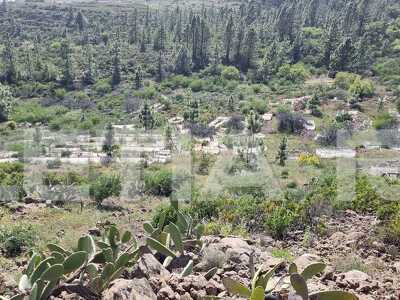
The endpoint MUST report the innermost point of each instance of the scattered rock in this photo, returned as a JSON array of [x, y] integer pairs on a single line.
[[354, 280], [111, 204], [151, 267], [94, 231], [305, 260], [135, 289]]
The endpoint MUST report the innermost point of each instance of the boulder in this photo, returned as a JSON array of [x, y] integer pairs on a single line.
[[269, 261], [237, 250], [305, 260], [151, 267], [196, 286], [135, 289], [355, 279], [111, 204]]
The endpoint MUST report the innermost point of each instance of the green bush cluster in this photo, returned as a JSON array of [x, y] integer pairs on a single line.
[[32, 112], [14, 239], [384, 121], [105, 186], [68, 178], [12, 181], [354, 84], [158, 182]]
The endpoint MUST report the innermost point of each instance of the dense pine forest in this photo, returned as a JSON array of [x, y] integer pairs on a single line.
[[200, 150]]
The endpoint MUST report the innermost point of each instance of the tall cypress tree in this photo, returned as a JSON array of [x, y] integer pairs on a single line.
[[330, 43], [363, 16], [116, 74], [342, 58], [182, 62], [3, 7], [67, 75], [239, 44], [311, 15], [160, 67], [146, 117], [10, 73], [249, 49], [81, 21], [133, 32], [228, 39], [138, 78]]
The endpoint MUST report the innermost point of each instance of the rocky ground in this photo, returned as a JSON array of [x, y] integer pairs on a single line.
[[355, 262]]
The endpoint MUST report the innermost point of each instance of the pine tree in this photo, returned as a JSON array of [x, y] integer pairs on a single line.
[[192, 114], [363, 16], [254, 125], [231, 104], [363, 57], [88, 76], [146, 117], [282, 152], [138, 78], [37, 136], [311, 16], [285, 20], [168, 140], [6, 102], [330, 43], [215, 61], [297, 49], [249, 49], [109, 146], [116, 74], [67, 76], [134, 28], [70, 18], [182, 62], [159, 40], [160, 68], [143, 42], [3, 7], [10, 73], [178, 27], [81, 21], [238, 44], [228, 40], [342, 58]]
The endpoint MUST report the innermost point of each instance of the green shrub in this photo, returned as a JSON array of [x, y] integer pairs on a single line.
[[71, 177], [362, 88], [344, 79], [12, 181], [32, 112], [279, 221], [203, 210], [196, 85], [296, 73], [158, 182], [308, 159], [384, 121], [285, 174], [367, 199], [15, 239], [258, 105], [291, 185], [60, 93], [106, 185], [230, 73], [149, 92], [102, 87], [391, 231], [170, 216]]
